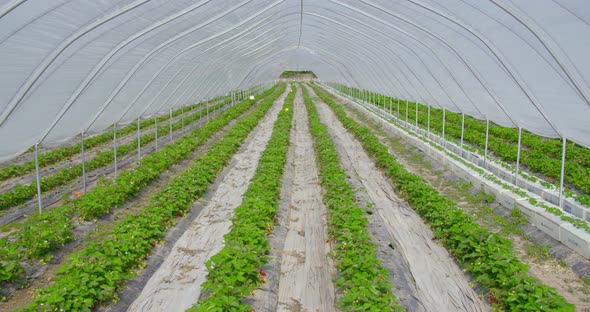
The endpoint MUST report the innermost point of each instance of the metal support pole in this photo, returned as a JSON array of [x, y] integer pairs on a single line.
[[518, 156], [398, 114], [485, 151], [170, 130], [416, 115], [428, 123], [115, 146], [83, 165], [390, 106], [462, 131], [138, 143], [38, 179], [407, 109], [156, 125], [443, 125], [562, 173]]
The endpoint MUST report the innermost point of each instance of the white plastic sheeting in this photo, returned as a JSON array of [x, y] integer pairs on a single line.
[[72, 66]]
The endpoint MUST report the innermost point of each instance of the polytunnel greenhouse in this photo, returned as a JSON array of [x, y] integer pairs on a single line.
[[291, 155]]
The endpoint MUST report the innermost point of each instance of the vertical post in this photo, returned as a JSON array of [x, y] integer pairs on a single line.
[[462, 131], [83, 165], [407, 109], [517, 156], [564, 143], [207, 105], [182, 119], [428, 123], [390, 106], [156, 126], [416, 115], [398, 114], [443, 125], [170, 128], [138, 143], [115, 146], [485, 151], [38, 179]]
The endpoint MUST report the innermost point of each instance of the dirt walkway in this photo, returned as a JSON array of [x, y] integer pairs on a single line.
[[437, 283], [176, 285], [305, 278]]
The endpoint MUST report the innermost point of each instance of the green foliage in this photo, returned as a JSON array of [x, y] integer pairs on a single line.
[[236, 270], [22, 193], [94, 275], [296, 73], [363, 281], [488, 257], [65, 152], [539, 155]]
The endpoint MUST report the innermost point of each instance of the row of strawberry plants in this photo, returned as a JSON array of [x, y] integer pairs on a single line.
[[488, 257], [94, 275], [552, 148], [41, 234], [62, 153], [538, 155], [235, 271], [21, 193], [362, 280]]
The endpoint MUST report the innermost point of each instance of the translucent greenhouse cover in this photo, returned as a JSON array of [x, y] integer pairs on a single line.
[[73, 66]]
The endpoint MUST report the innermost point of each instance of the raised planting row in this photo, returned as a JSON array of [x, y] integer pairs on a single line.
[[41, 234], [22, 193], [65, 152], [93, 276], [488, 257], [362, 280], [540, 155], [235, 272]]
